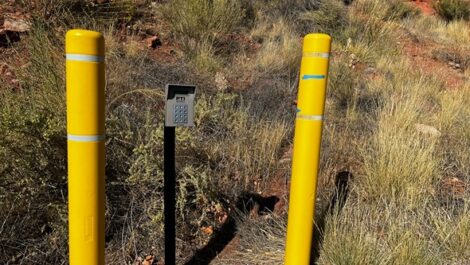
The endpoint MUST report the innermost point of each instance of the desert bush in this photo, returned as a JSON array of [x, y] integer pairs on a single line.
[[398, 10], [453, 9], [198, 24], [202, 20], [367, 39], [33, 153], [386, 10], [330, 18]]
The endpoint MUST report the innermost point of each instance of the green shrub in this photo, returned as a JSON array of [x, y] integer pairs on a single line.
[[33, 156], [453, 9]]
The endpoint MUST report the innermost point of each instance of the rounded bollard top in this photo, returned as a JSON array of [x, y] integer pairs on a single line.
[[317, 42], [87, 42]]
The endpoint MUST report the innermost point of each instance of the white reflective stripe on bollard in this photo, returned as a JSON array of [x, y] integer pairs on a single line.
[[85, 138], [310, 117], [324, 55], [85, 58]]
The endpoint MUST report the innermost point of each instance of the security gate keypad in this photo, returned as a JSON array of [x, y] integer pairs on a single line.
[[179, 105]]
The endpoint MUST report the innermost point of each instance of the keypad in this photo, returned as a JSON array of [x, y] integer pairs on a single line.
[[181, 114]]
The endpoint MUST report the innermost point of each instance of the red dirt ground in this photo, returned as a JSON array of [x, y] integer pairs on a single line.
[[420, 53], [425, 6]]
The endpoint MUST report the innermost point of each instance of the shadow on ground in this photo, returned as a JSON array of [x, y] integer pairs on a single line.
[[246, 204], [335, 203], [249, 202]]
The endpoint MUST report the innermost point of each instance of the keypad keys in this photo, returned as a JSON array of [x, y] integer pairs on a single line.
[[181, 113]]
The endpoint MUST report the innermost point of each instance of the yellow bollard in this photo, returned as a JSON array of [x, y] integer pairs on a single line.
[[85, 79], [307, 140]]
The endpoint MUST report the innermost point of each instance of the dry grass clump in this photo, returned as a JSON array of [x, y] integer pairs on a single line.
[[389, 173], [197, 20], [330, 17], [280, 48], [260, 242], [386, 10], [379, 234], [453, 9], [198, 24], [366, 39]]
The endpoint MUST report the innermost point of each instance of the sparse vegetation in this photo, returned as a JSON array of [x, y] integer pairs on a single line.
[[394, 122], [453, 9]]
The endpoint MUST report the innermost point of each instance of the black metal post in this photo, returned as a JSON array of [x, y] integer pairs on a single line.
[[169, 194]]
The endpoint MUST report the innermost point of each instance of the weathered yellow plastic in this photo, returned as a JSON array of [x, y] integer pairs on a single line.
[[306, 154], [85, 81]]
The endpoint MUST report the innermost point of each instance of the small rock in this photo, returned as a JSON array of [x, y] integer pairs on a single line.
[[19, 25], [220, 81], [428, 130]]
